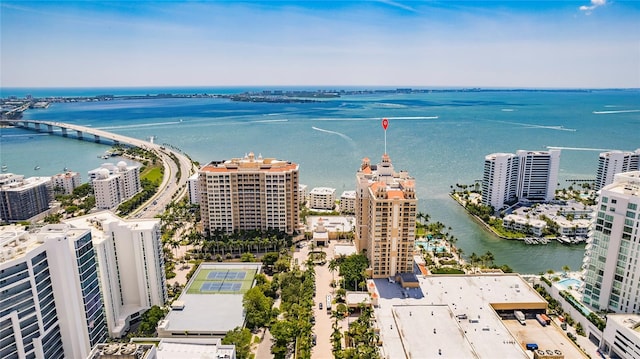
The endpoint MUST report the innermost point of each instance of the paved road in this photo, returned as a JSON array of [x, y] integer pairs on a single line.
[[322, 327], [171, 187]]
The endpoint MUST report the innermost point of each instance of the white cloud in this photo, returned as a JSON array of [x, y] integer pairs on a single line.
[[594, 4]]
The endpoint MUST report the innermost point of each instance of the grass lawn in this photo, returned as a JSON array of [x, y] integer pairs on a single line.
[[153, 174]]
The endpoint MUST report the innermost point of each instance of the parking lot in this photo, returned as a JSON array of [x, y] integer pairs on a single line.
[[550, 337]]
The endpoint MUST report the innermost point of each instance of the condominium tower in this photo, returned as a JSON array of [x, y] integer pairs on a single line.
[[527, 175], [249, 193], [114, 184], [500, 179], [386, 207], [21, 199], [612, 275], [131, 262], [613, 162], [538, 174], [50, 300]]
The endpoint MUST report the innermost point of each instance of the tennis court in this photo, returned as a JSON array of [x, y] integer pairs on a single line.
[[211, 279], [226, 275], [220, 287]]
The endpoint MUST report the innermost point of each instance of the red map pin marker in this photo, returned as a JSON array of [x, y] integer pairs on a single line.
[[385, 123]]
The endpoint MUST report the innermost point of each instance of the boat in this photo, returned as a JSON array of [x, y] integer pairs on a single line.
[[4, 168], [65, 169], [564, 240], [36, 168]]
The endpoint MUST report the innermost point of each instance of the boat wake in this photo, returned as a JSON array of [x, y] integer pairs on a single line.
[[528, 125], [335, 133], [269, 121], [413, 118], [613, 112], [578, 148]]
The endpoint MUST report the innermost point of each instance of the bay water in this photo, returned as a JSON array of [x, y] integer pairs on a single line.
[[440, 138]]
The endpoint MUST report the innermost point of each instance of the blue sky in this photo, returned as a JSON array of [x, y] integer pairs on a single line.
[[589, 43]]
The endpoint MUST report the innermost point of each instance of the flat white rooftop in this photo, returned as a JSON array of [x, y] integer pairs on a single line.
[[454, 314], [208, 314], [332, 223]]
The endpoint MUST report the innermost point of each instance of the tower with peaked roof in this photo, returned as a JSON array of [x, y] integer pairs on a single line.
[[386, 208]]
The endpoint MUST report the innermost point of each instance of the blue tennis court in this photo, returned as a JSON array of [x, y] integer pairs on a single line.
[[235, 276], [226, 275], [220, 287], [216, 275]]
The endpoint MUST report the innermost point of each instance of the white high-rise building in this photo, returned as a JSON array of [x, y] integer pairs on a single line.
[[50, 300], [613, 162], [67, 182], [500, 179], [192, 183], [249, 193], [131, 265], [538, 174], [386, 209], [612, 272], [114, 184]]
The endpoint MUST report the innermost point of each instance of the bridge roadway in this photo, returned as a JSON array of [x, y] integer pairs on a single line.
[[170, 188]]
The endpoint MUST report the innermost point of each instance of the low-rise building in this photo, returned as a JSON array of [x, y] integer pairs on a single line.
[[348, 202], [211, 303], [322, 198], [462, 316], [65, 182], [523, 224], [302, 193]]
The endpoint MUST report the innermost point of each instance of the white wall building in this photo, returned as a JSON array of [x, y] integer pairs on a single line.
[[302, 193], [67, 181], [612, 272], [500, 179], [114, 184], [538, 174], [348, 202], [131, 265], [612, 162], [621, 336], [523, 224], [192, 183], [50, 302], [322, 198]]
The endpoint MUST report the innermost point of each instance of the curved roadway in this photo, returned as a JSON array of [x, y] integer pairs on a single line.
[[170, 188]]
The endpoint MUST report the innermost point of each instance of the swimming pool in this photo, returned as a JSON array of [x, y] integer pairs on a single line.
[[429, 247], [570, 282]]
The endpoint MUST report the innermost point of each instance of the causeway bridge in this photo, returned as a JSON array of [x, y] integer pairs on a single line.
[[75, 131], [177, 166]]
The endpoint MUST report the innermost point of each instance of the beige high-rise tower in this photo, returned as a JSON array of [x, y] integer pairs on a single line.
[[386, 207], [249, 193]]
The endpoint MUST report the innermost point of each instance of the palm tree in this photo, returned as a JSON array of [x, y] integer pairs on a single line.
[[489, 257], [333, 266]]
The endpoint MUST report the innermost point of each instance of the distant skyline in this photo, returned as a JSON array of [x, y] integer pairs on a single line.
[[533, 44]]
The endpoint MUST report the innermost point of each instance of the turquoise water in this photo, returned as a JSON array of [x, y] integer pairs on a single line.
[[430, 247], [440, 138], [570, 282]]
